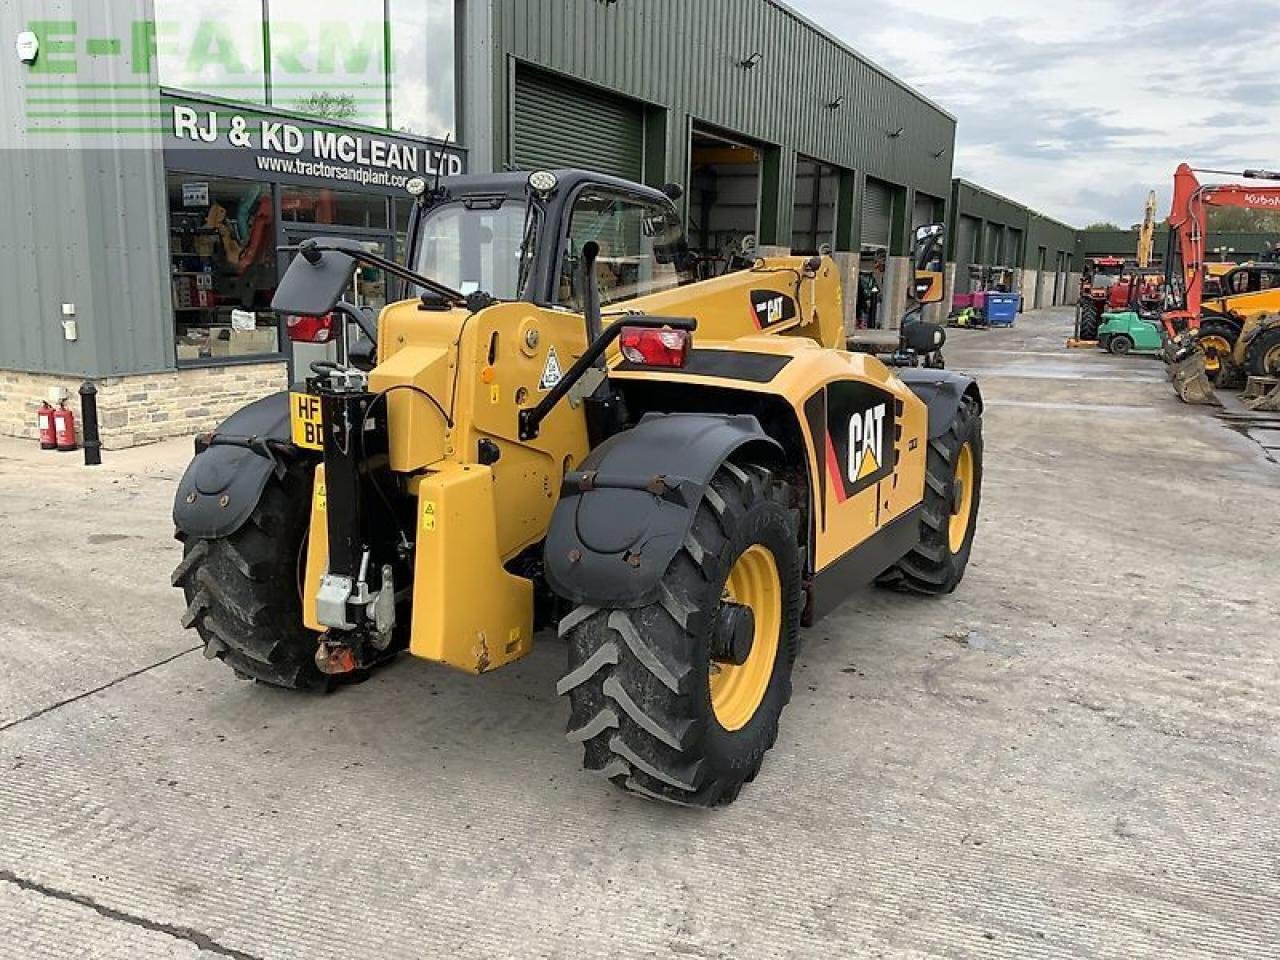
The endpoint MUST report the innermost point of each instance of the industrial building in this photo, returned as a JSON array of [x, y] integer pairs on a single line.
[[159, 151], [999, 242], [1222, 247]]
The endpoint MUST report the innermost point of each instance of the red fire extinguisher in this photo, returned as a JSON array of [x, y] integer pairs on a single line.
[[64, 428], [44, 421]]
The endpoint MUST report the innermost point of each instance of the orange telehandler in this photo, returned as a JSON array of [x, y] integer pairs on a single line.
[[1189, 342]]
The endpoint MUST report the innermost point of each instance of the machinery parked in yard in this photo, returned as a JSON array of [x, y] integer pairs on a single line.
[[1198, 342], [1240, 328], [1097, 278], [676, 482]]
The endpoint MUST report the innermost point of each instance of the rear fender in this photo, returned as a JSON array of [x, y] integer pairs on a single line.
[[222, 485], [625, 513], [942, 391]]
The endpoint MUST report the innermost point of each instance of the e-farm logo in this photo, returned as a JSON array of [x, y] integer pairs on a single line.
[[330, 69]]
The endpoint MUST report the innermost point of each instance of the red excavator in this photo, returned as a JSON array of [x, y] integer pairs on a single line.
[[1185, 268]]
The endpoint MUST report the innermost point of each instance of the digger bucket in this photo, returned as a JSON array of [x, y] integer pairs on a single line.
[[1190, 380]]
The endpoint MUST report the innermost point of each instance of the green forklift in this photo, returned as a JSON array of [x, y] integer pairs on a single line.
[[1136, 328], [1127, 331]]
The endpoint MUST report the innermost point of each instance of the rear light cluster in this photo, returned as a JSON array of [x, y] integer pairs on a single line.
[[655, 347], [307, 329]]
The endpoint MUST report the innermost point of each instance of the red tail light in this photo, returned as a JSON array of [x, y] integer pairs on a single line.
[[655, 347], [303, 329]]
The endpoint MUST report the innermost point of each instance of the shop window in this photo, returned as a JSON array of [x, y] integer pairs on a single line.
[[422, 67], [212, 47], [642, 248], [323, 206], [222, 263], [330, 66]]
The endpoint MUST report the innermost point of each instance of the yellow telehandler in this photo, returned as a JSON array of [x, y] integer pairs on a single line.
[[557, 427]]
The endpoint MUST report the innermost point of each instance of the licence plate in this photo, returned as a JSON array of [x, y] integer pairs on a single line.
[[305, 422]]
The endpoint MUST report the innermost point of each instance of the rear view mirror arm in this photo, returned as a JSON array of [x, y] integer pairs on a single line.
[[310, 250]]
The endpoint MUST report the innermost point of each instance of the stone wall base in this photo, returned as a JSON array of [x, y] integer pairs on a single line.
[[145, 407]]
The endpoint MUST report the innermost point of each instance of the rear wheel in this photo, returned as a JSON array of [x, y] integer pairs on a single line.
[[1120, 344], [243, 591], [953, 492], [1263, 356], [1089, 319], [679, 700]]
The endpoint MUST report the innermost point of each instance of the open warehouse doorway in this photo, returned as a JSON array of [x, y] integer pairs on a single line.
[[813, 216], [724, 199]]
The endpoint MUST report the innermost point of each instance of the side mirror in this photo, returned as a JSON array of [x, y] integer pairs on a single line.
[[922, 337], [927, 261], [926, 248], [316, 279]]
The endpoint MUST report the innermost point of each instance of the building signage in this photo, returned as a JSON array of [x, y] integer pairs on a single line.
[[252, 144]]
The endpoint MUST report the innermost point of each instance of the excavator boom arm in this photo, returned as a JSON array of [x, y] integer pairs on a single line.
[[1187, 223]]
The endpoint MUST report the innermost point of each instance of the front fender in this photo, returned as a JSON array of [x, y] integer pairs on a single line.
[[625, 513], [223, 483], [942, 392]]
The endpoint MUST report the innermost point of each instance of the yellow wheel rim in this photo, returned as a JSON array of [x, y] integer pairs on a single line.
[[1271, 361], [737, 691], [962, 510], [1214, 347]]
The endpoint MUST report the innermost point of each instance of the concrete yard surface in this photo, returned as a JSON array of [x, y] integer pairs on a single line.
[[1075, 755]]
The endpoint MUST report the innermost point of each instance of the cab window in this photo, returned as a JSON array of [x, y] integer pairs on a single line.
[[642, 247]]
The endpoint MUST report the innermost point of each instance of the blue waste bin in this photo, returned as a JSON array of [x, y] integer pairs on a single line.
[[1002, 308]]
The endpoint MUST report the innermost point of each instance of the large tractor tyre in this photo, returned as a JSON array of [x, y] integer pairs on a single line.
[[1217, 338], [243, 591], [1089, 320], [1262, 359], [953, 492], [679, 700]]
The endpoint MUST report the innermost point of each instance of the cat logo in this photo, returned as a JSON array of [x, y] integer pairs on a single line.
[[866, 443], [770, 308], [770, 311]]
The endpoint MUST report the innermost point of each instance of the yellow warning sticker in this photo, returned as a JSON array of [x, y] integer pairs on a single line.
[[322, 497], [429, 515]]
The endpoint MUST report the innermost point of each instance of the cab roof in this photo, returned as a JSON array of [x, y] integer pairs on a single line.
[[514, 183]]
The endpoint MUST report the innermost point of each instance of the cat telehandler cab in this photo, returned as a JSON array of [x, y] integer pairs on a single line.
[[559, 428]]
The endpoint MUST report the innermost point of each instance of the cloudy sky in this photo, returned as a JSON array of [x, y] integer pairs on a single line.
[[1078, 107]]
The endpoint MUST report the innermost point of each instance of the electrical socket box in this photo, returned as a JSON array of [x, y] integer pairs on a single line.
[[57, 395]]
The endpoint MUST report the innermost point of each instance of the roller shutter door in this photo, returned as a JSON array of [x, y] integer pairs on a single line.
[[993, 249], [966, 242], [1013, 249], [559, 123], [877, 214], [925, 211]]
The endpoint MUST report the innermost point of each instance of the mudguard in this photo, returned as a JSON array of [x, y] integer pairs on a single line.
[[223, 483], [624, 514], [942, 391]]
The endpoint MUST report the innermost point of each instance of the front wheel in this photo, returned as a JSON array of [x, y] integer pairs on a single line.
[[1120, 344], [243, 594], [1263, 357], [679, 700], [1217, 340], [952, 493]]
